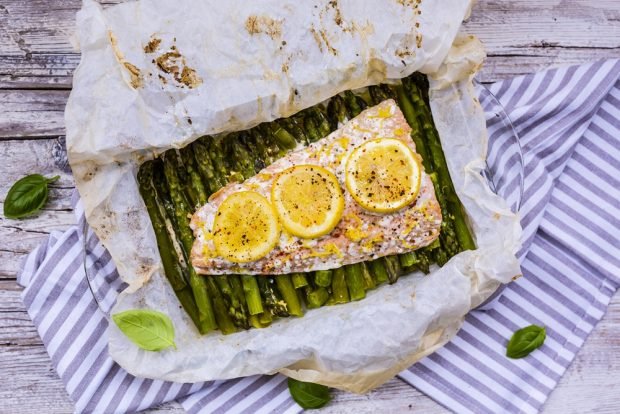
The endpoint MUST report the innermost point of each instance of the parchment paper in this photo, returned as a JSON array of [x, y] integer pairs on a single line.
[[156, 75]]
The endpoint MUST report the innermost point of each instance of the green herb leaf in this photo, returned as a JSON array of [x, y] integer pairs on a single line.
[[308, 394], [149, 329], [27, 196], [525, 340]]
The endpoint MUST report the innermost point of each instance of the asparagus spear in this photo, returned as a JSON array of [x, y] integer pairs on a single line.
[[257, 322], [311, 128], [316, 297], [294, 128], [378, 271], [271, 297], [237, 287], [184, 178], [216, 154], [195, 180], [262, 146], [286, 288], [273, 151], [392, 265], [224, 149], [252, 148], [417, 133], [186, 297], [340, 292], [239, 160], [321, 121], [169, 256], [361, 102], [282, 137], [409, 259], [206, 167], [369, 282], [323, 278], [265, 318], [439, 161], [378, 94], [337, 112], [352, 103], [299, 280], [224, 321], [252, 294], [355, 281], [235, 307], [181, 210]]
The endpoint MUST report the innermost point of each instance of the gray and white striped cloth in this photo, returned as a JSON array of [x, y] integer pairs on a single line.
[[568, 121]]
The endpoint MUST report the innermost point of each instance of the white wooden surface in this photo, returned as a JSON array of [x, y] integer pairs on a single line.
[[36, 63]]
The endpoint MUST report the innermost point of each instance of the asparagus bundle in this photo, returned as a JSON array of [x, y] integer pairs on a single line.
[[174, 185]]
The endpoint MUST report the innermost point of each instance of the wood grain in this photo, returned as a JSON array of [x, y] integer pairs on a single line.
[[520, 37], [37, 60]]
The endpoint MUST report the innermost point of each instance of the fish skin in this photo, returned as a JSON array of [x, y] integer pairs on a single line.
[[415, 226]]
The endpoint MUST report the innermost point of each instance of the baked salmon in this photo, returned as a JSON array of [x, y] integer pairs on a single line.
[[359, 235]]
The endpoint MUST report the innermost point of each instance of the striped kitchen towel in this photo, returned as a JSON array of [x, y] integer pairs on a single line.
[[568, 121]]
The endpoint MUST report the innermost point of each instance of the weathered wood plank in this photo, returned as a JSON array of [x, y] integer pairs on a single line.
[[44, 156], [32, 113], [515, 61], [36, 52]]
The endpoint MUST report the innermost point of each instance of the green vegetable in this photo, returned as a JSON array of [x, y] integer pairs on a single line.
[[307, 394], [252, 294], [287, 290], [408, 259], [223, 318], [27, 196], [369, 282], [186, 238], [392, 265], [272, 299], [299, 280], [315, 298], [337, 112], [353, 104], [169, 256], [355, 281], [195, 182], [187, 177], [323, 278], [210, 176], [235, 303], [525, 340], [438, 160], [340, 292], [149, 329], [255, 321], [379, 272]]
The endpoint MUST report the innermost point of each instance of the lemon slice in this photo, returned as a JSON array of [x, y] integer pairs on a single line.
[[383, 175], [245, 228], [308, 200]]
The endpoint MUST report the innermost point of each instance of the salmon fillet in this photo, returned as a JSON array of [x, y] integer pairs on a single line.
[[361, 235]]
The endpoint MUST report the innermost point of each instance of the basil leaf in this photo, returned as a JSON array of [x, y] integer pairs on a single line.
[[525, 340], [308, 394], [27, 196], [149, 329]]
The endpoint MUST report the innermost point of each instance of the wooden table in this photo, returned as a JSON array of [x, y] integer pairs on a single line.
[[36, 63]]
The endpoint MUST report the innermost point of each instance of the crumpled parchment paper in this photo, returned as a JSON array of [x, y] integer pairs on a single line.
[[156, 75]]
